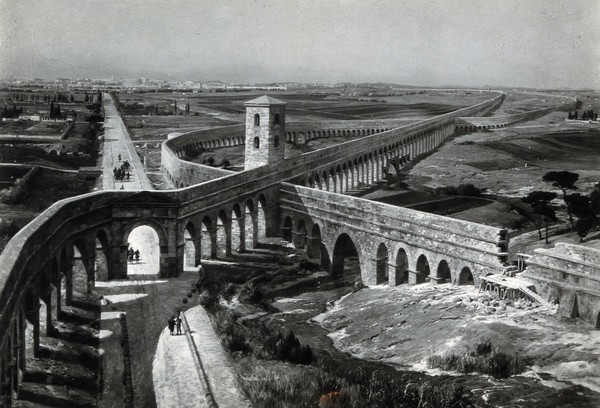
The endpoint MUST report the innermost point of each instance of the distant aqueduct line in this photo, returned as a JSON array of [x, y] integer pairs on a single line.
[[219, 211]]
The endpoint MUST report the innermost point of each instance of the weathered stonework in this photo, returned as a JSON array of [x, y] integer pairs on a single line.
[[265, 132], [568, 274], [393, 244]]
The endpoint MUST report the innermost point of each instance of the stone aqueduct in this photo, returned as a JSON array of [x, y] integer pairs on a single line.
[[298, 198]]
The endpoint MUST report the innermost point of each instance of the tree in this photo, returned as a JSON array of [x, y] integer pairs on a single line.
[[540, 203], [586, 219], [563, 180], [595, 200]]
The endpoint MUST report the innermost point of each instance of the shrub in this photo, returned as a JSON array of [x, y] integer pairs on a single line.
[[483, 360], [185, 300], [225, 163], [208, 300], [189, 294], [228, 291], [234, 339], [483, 347], [250, 293], [288, 348]]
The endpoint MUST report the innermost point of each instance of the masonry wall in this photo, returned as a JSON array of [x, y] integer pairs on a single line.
[[568, 274], [459, 243]]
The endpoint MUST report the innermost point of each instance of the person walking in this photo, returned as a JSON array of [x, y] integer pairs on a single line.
[[178, 321], [171, 323]]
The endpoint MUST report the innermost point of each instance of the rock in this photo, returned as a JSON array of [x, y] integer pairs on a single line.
[[466, 300], [490, 309]]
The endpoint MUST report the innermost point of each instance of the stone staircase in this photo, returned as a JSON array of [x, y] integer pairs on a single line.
[[65, 373]]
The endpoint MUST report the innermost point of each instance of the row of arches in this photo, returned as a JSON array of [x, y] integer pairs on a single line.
[[385, 263], [236, 229], [195, 147], [369, 168], [305, 136]]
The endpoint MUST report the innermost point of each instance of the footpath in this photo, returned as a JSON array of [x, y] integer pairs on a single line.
[[118, 144], [191, 370], [202, 378]]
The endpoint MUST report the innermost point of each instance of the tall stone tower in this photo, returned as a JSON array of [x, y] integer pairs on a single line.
[[265, 132]]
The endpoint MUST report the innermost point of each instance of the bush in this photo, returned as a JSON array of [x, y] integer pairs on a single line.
[[234, 339], [225, 163], [483, 347], [189, 294], [483, 360], [228, 291], [288, 348], [208, 300], [185, 300], [250, 293]]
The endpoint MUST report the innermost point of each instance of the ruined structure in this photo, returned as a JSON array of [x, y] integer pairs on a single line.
[[219, 210]]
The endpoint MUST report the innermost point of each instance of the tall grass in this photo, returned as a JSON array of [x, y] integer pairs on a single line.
[[332, 385], [484, 359]]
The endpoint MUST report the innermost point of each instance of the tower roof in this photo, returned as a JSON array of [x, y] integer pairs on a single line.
[[265, 100]]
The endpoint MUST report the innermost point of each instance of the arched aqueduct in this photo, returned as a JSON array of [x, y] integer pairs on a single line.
[[298, 199]]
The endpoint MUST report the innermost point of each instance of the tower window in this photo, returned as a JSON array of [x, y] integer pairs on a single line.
[[276, 119], [276, 141], [256, 142], [257, 120]]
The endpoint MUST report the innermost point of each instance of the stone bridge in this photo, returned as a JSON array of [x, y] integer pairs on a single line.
[[394, 245], [58, 252]]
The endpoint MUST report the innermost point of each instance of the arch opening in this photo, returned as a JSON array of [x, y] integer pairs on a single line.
[[300, 237], [465, 277], [250, 224], [143, 251], [286, 230], [206, 239], [443, 272], [382, 264], [261, 218], [423, 270], [401, 267], [79, 273], [222, 235], [101, 257], [189, 247], [237, 226], [345, 257]]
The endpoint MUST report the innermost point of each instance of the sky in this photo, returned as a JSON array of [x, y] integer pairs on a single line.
[[523, 43]]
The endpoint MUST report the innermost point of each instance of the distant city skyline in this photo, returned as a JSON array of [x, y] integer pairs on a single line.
[[534, 43]]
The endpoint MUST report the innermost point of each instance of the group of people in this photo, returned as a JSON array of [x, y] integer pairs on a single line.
[[133, 255], [121, 174], [174, 321]]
